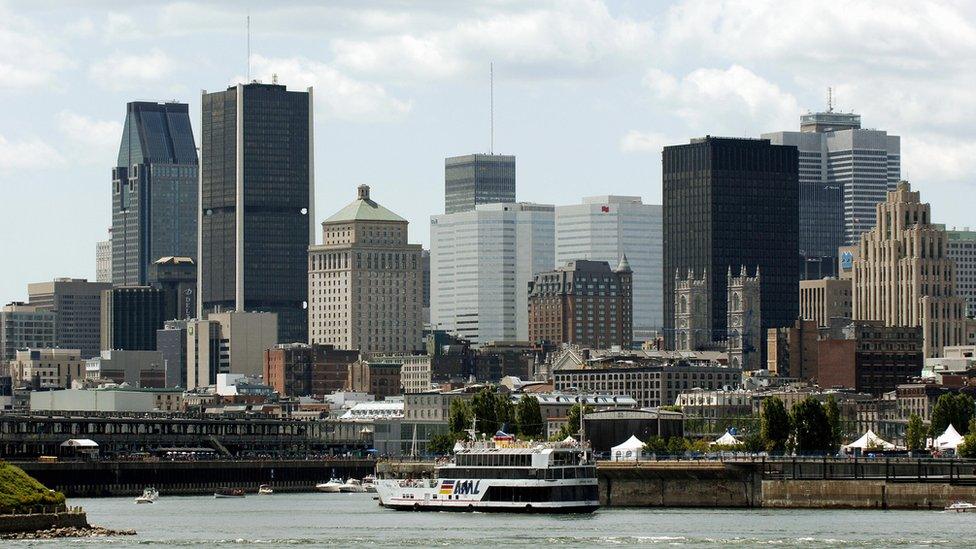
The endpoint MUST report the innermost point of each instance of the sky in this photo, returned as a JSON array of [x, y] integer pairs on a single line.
[[586, 94]]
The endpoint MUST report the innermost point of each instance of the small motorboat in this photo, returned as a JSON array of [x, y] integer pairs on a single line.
[[149, 495], [961, 507], [369, 484], [265, 490], [229, 493], [352, 486], [331, 487]]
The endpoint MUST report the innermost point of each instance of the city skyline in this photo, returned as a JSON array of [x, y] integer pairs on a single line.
[[413, 82]]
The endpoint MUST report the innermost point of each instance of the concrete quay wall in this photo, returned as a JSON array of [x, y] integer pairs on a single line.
[[862, 494], [676, 484], [10, 524]]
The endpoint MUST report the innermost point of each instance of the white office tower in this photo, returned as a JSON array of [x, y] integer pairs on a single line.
[[605, 228], [103, 260], [481, 263]]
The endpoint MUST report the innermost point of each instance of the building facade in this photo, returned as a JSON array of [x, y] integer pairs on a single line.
[[903, 275], [25, 326], [47, 368], [475, 179], [299, 369], [177, 277], [961, 249], [103, 259], [77, 306], [793, 351], [380, 379], [228, 343], [171, 344], [745, 332], [583, 303], [154, 190], [825, 298], [130, 317], [605, 228], [140, 369], [727, 203], [844, 171], [366, 281], [256, 204], [870, 357], [481, 262]]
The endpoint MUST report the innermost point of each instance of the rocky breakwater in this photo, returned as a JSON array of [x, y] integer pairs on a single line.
[[68, 532]]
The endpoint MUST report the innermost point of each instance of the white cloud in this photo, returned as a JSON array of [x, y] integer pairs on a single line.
[[341, 97], [31, 153], [121, 26], [91, 141], [649, 142], [124, 71], [935, 157], [28, 58], [730, 100]]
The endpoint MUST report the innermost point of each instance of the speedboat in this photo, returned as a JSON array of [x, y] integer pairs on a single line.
[[352, 486], [369, 484], [331, 487], [149, 495], [265, 490], [229, 493], [961, 507]]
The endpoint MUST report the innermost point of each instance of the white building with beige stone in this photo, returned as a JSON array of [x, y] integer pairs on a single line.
[[366, 281]]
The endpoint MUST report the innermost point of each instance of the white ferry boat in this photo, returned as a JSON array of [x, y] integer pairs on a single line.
[[506, 476]]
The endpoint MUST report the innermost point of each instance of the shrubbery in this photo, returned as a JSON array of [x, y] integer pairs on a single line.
[[21, 493]]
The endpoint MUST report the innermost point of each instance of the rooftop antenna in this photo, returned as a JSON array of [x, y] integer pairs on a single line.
[[830, 99], [249, 46], [491, 107]]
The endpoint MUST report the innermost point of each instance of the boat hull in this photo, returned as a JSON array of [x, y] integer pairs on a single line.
[[582, 508]]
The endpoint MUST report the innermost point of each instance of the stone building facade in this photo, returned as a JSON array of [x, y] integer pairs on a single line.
[[745, 336]]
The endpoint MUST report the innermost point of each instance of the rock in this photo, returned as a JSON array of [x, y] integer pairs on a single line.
[[69, 532]]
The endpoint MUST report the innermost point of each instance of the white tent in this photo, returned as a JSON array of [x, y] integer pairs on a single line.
[[727, 440], [949, 440], [870, 441], [627, 451], [85, 443]]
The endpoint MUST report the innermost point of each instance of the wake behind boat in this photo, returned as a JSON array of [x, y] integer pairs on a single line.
[[504, 476], [149, 495], [229, 493], [961, 507]]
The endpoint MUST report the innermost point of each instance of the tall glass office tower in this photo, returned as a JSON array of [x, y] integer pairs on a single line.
[[154, 190], [475, 179], [256, 200]]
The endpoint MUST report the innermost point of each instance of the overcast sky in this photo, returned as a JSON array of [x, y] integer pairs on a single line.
[[586, 94]]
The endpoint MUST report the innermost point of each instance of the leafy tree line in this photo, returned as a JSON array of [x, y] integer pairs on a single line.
[[809, 428]]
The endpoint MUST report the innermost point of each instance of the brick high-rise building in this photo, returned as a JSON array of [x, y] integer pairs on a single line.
[[365, 282], [583, 303], [903, 275], [868, 356], [299, 369]]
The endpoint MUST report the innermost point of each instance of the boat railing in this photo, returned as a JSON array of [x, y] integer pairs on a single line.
[[417, 483]]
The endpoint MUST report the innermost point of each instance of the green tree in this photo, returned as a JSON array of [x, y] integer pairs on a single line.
[[656, 445], [811, 427], [484, 410], [677, 445], [572, 427], [529, 416], [915, 433], [968, 447], [505, 413], [459, 417], [441, 445], [965, 410], [956, 410], [774, 425], [752, 442], [833, 421]]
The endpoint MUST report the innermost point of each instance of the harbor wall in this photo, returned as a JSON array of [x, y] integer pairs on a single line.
[[677, 484], [862, 494], [10, 524]]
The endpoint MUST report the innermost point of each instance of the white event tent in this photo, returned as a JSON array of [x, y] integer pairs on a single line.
[[870, 441], [629, 450], [727, 440], [949, 440]]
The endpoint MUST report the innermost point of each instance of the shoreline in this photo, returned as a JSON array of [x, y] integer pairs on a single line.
[[67, 532]]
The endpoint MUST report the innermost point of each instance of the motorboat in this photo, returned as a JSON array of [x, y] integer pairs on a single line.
[[149, 495], [352, 486], [369, 484], [229, 493], [265, 490], [961, 507], [331, 487]]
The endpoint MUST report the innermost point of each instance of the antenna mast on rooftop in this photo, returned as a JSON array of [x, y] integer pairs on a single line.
[[830, 99], [491, 107], [248, 48]]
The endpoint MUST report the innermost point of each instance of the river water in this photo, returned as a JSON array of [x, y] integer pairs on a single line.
[[345, 520]]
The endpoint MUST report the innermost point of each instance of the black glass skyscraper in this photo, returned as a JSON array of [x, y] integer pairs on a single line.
[[256, 203], [732, 203], [478, 179], [154, 190]]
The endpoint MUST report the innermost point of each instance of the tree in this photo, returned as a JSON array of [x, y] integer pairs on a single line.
[[774, 425], [459, 417], [752, 442], [677, 445], [968, 447], [956, 410], [441, 445], [811, 427], [572, 426], [915, 433], [505, 413], [965, 410], [833, 421], [484, 409], [656, 445], [529, 416]]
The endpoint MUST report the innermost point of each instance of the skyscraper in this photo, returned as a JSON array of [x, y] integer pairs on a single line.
[[77, 306], [256, 201], [730, 203], [481, 263], [103, 259], [605, 228], [844, 172], [475, 179], [154, 190], [962, 250]]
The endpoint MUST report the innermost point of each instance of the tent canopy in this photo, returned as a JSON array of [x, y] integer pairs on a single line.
[[950, 439], [870, 441], [727, 440], [628, 450], [80, 443]]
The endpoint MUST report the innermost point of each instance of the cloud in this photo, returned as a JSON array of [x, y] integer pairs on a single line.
[[91, 141], [636, 141], [31, 153], [932, 156], [124, 71], [340, 96], [28, 58], [121, 26], [728, 100]]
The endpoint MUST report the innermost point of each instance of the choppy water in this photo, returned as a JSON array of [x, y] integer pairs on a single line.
[[345, 520]]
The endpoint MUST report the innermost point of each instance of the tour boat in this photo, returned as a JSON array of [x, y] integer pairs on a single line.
[[330, 487], [502, 475], [265, 490], [961, 507], [352, 486], [369, 484], [149, 495], [229, 493]]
